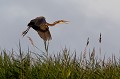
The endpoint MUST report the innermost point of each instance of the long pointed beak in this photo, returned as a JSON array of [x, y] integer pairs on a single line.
[[63, 22]]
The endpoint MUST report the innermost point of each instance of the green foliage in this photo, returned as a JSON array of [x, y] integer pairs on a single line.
[[60, 66]]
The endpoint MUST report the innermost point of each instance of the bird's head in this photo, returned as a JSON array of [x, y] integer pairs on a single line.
[[62, 22]]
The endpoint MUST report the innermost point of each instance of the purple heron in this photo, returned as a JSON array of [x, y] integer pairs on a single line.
[[40, 25]]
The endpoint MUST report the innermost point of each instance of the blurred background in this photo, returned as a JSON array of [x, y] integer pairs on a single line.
[[88, 18]]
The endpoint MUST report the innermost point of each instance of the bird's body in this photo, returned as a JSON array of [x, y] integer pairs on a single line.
[[41, 26]]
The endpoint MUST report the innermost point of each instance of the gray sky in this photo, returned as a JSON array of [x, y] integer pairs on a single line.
[[87, 19]]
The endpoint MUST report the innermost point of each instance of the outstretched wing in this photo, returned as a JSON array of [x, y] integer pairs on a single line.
[[45, 35], [43, 30]]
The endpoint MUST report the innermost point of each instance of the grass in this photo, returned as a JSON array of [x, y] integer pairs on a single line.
[[60, 66], [63, 65]]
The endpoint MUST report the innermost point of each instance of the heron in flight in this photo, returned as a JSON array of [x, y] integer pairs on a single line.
[[40, 25]]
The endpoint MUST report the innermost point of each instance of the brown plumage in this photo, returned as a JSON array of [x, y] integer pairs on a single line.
[[41, 26]]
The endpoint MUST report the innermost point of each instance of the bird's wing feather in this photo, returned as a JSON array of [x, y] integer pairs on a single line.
[[46, 36], [43, 30]]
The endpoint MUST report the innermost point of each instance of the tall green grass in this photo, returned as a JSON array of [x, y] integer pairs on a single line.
[[61, 66]]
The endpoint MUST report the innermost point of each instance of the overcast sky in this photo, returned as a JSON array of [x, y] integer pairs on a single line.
[[88, 18]]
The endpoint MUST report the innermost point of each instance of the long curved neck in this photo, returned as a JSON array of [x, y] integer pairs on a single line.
[[54, 23]]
